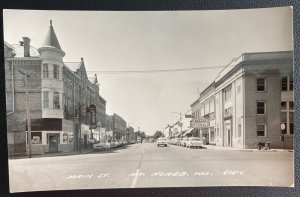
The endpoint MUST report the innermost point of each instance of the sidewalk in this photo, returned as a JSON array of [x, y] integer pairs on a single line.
[[214, 147], [83, 151]]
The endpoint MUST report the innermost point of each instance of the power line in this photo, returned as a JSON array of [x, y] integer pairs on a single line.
[[153, 71]]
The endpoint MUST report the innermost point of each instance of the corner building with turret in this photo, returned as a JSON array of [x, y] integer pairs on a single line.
[[59, 95]]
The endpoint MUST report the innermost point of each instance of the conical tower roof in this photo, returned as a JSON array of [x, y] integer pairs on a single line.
[[51, 39]]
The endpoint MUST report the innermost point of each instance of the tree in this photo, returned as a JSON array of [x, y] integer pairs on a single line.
[[158, 134], [143, 135]]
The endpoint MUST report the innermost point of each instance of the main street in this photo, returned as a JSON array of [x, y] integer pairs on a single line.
[[146, 165]]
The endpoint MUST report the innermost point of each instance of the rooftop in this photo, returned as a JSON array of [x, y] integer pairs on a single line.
[[51, 39]]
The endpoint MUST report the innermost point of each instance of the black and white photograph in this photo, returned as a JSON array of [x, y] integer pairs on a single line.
[[149, 99]]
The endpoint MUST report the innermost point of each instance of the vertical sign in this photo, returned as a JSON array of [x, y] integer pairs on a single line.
[[93, 123]]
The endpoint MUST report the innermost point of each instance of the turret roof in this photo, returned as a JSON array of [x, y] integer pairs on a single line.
[[51, 39]]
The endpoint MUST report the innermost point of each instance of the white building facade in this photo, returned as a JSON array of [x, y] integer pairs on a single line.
[[249, 101]]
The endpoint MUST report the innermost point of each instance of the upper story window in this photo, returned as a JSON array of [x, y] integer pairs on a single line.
[[287, 83], [261, 85], [228, 111], [56, 100], [284, 83], [212, 106], [45, 71], [55, 71], [227, 94], [206, 108], [45, 99], [260, 107], [283, 105]]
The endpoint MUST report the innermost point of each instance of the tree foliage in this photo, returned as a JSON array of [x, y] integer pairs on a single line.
[[158, 134]]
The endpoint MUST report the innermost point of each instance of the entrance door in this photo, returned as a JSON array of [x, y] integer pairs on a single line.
[[227, 136], [53, 142]]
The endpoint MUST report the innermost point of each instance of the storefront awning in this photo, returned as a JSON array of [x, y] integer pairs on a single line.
[[189, 131]]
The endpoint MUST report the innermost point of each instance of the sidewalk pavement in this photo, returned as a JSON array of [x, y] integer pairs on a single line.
[[214, 147], [83, 151]]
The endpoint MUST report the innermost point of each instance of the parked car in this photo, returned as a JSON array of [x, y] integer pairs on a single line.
[[132, 141], [115, 144], [194, 142], [162, 142], [101, 145], [172, 141], [177, 141], [183, 141], [123, 142]]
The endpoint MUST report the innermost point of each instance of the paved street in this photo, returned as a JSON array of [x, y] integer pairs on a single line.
[[146, 165]]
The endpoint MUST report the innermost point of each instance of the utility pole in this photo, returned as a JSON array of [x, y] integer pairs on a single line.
[[180, 121], [27, 113], [79, 126]]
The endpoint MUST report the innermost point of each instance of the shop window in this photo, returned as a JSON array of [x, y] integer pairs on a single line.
[[65, 138], [261, 85], [291, 128], [261, 130], [284, 83], [260, 107], [36, 137], [291, 120]]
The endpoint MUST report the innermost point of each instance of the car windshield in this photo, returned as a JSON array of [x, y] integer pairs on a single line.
[[162, 139]]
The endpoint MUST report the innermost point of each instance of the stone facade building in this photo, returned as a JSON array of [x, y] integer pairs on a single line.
[[59, 96], [249, 101]]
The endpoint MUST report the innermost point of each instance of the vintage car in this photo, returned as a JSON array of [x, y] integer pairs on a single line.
[[101, 145], [184, 141], [162, 142], [177, 141], [194, 142], [115, 144]]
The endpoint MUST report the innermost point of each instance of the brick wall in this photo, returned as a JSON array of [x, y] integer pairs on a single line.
[[16, 122]]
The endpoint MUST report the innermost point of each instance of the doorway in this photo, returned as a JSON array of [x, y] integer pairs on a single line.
[[53, 142], [228, 133]]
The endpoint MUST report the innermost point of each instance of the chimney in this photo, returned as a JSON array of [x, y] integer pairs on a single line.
[[26, 41]]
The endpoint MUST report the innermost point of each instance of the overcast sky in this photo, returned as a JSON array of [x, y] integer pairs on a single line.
[[154, 40]]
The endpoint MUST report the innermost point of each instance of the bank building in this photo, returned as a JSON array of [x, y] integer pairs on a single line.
[[251, 101]]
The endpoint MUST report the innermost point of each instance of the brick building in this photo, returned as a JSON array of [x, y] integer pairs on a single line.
[[248, 101], [59, 94], [130, 134], [118, 127]]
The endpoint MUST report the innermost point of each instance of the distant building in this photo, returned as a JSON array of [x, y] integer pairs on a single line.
[[59, 96], [130, 133], [248, 101], [119, 127]]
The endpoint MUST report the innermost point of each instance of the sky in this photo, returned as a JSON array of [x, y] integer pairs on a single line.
[[150, 40]]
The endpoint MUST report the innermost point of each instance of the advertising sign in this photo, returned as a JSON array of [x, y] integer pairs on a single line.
[[93, 123]]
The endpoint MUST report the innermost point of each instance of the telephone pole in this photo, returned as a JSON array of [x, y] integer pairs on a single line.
[[27, 113]]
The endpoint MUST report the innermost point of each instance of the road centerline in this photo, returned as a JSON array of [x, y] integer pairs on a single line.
[[137, 172]]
